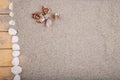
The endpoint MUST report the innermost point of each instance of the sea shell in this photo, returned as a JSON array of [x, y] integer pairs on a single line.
[[12, 31], [11, 14], [15, 61], [46, 10], [48, 23], [15, 47], [16, 53], [15, 39], [11, 6], [48, 15], [11, 22], [17, 77], [16, 70], [56, 16], [42, 19]]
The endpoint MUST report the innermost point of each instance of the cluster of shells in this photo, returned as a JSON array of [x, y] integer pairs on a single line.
[[16, 69], [45, 16]]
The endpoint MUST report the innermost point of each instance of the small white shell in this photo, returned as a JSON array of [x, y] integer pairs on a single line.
[[11, 6], [16, 70], [11, 14], [15, 39], [57, 14], [12, 31], [16, 53], [15, 47], [11, 22], [15, 61], [17, 77], [48, 23]]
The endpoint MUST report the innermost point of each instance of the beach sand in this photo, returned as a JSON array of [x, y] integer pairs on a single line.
[[83, 45]]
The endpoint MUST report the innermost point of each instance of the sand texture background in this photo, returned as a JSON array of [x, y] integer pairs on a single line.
[[83, 45]]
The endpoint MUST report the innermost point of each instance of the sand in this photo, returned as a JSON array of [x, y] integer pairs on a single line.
[[83, 45]]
